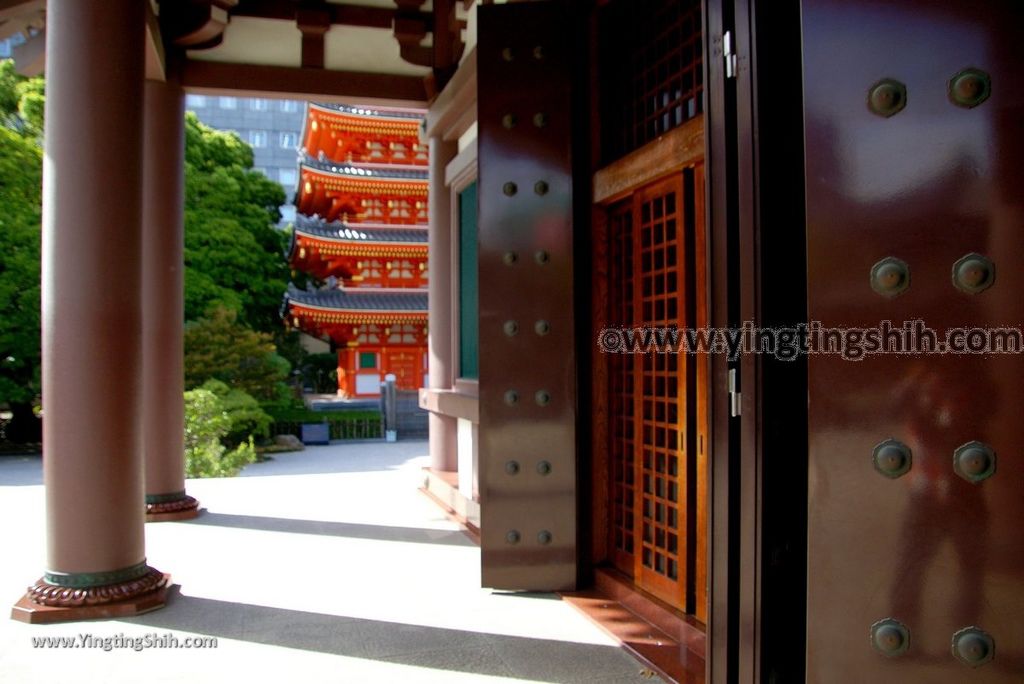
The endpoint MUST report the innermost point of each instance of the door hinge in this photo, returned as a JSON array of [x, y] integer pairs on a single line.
[[734, 393], [729, 52]]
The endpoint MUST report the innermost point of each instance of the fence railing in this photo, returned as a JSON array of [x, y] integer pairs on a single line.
[[341, 427]]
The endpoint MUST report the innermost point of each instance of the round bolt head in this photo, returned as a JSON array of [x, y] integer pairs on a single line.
[[543, 468], [890, 637], [969, 88], [892, 458], [542, 398], [511, 467], [540, 119], [887, 97], [543, 537], [508, 54], [512, 537], [974, 273], [509, 189], [974, 461], [511, 328], [538, 52], [540, 187], [509, 121], [542, 328], [973, 647], [511, 397], [510, 258], [890, 277], [541, 257]]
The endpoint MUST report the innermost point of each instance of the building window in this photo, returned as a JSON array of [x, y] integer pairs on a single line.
[[228, 102], [289, 106], [287, 177], [367, 360], [259, 104], [289, 140], [287, 213], [258, 138], [469, 332], [195, 100], [260, 169]]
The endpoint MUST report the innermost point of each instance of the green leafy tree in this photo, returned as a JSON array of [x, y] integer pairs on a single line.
[[219, 347], [234, 253], [20, 198]]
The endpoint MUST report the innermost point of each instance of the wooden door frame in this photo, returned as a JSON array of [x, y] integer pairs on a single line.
[[755, 182]]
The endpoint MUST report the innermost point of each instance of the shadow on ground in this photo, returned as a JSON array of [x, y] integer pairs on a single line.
[[420, 646], [415, 535]]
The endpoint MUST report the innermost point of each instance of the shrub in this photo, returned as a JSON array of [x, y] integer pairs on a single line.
[[246, 417], [206, 424]]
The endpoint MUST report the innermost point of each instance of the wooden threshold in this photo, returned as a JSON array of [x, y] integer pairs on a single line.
[[671, 645]]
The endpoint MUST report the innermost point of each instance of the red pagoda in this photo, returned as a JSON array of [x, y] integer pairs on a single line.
[[361, 230]]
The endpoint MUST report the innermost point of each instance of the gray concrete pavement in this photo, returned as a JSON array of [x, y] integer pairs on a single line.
[[321, 566]]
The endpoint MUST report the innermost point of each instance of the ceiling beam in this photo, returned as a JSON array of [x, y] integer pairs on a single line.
[[350, 15], [156, 58], [313, 22], [253, 80], [195, 24]]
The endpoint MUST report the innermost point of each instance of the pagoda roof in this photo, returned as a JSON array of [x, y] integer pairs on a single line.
[[360, 300], [339, 231], [371, 112], [377, 171]]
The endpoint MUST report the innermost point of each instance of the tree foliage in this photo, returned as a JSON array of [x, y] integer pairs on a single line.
[[235, 271], [20, 197], [206, 425], [219, 347], [233, 251]]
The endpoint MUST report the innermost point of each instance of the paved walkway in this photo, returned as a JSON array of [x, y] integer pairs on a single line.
[[321, 566]]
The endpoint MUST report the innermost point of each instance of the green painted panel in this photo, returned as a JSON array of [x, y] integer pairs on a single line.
[[469, 299]]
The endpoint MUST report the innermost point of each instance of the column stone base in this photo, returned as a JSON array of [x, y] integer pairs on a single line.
[[159, 509], [46, 603]]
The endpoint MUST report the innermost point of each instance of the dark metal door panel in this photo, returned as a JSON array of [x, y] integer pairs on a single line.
[[927, 183], [527, 343]]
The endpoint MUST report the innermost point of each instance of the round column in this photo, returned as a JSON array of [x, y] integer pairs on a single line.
[[163, 303], [91, 317], [443, 439]]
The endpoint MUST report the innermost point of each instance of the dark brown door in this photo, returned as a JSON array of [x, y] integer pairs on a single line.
[[914, 137], [528, 409]]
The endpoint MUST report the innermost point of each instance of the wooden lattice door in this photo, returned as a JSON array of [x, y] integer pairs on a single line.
[[620, 392], [660, 394], [657, 414]]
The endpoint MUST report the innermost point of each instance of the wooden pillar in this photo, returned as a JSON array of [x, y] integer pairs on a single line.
[[92, 318], [163, 303], [443, 440]]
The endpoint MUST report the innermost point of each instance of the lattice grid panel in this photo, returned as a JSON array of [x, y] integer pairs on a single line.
[[661, 401], [652, 70]]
